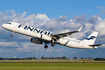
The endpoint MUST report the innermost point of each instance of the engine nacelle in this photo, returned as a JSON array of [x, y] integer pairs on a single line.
[[34, 40], [95, 47]]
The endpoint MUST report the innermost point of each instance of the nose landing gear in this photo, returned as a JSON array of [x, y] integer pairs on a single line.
[[12, 34]]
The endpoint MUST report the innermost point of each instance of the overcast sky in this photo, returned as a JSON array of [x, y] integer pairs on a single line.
[[57, 16]]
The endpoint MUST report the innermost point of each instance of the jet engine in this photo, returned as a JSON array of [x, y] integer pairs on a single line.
[[34, 40], [95, 47]]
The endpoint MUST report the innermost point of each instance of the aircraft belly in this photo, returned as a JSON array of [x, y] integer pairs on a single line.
[[72, 44], [66, 42]]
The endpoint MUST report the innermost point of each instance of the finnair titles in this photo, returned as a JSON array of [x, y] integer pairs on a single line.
[[39, 36], [35, 30]]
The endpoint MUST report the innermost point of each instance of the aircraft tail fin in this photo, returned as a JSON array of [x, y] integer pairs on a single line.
[[90, 40]]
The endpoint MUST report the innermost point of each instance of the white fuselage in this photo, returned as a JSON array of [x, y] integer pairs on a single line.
[[45, 36]]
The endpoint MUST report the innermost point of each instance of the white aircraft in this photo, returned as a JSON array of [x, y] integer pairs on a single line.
[[39, 36]]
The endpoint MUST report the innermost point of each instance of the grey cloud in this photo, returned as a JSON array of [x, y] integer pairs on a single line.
[[103, 12], [76, 22], [7, 13], [52, 23], [93, 19], [100, 27], [80, 19], [72, 25], [8, 44], [63, 18], [101, 7], [55, 25]]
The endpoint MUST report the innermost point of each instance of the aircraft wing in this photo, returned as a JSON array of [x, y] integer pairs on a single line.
[[57, 36]]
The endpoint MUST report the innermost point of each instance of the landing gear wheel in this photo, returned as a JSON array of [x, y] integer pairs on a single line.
[[11, 35], [52, 44], [46, 46]]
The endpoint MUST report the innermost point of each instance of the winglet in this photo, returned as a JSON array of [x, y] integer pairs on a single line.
[[80, 28]]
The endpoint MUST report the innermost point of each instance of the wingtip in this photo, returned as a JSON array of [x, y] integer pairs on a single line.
[[80, 28]]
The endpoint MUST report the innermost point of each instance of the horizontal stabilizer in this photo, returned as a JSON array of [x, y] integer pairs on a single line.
[[96, 45]]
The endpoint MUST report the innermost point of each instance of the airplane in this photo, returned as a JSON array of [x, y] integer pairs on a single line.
[[39, 36]]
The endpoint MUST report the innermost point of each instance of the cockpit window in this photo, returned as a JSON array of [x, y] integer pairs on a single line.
[[9, 23]]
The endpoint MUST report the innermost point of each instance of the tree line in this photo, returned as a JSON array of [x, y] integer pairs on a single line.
[[53, 57], [44, 58]]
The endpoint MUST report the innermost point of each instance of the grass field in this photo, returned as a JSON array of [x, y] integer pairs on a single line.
[[50, 66], [48, 61]]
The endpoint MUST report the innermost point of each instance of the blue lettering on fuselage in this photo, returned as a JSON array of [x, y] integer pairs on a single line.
[[35, 30], [31, 29], [41, 32], [19, 26], [48, 33], [45, 33], [25, 27]]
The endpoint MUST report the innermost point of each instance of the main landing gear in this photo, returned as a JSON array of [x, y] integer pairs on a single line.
[[12, 34], [52, 44], [46, 46]]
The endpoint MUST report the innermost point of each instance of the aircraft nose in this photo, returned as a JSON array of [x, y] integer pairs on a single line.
[[4, 25]]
